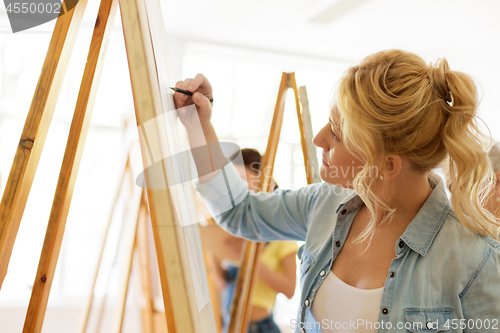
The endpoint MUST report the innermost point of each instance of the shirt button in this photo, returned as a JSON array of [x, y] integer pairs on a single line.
[[385, 311], [430, 325], [337, 243], [392, 274], [343, 212], [401, 244], [306, 302], [322, 273]]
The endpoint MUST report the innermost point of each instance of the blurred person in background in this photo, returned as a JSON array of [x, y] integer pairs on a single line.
[[493, 203], [277, 270]]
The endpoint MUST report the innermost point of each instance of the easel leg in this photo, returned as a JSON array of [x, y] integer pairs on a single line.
[[247, 275], [169, 242], [131, 192], [130, 244], [35, 130], [300, 118], [245, 281], [143, 247], [69, 169], [209, 263], [88, 303]]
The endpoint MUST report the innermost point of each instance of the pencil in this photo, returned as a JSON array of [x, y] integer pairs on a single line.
[[186, 92]]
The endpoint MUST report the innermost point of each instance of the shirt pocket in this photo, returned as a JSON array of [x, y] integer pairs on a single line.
[[427, 320], [306, 260]]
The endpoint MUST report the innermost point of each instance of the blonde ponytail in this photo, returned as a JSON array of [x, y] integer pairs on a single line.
[[470, 176]]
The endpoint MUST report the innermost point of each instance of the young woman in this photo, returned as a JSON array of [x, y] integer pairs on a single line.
[[385, 249]]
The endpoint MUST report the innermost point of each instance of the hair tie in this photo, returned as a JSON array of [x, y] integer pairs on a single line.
[[447, 97], [437, 78], [450, 103]]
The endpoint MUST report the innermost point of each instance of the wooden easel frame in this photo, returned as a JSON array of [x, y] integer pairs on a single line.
[[169, 241], [88, 303], [248, 271], [169, 245], [136, 240]]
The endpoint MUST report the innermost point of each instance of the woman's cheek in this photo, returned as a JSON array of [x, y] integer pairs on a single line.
[[331, 158]]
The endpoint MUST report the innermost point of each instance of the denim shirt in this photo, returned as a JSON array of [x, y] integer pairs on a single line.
[[444, 278]]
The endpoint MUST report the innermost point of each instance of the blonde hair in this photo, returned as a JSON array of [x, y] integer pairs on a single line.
[[393, 103], [494, 156]]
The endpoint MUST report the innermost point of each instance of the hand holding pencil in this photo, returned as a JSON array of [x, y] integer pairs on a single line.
[[197, 91], [186, 92], [211, 158]]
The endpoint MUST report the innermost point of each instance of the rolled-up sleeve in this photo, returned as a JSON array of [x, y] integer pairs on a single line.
[[280, 215]]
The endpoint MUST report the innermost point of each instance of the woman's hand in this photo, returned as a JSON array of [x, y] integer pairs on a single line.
[[209, 157], [201, 98]]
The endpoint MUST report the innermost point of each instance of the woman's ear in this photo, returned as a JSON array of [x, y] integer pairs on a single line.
[[393, 165]]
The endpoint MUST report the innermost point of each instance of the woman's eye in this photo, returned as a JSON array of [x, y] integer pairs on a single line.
[[333, 134]]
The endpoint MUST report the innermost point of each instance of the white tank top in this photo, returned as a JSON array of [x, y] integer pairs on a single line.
[[342, 308]]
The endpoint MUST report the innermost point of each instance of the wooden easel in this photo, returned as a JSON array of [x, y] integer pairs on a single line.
[[136, 247], [170, 243], [248, 271], [133, 243]]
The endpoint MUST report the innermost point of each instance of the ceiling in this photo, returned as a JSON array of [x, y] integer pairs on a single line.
[[331, 29], [431, 27]]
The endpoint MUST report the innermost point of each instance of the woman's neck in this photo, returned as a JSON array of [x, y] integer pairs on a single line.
[[406, 195]]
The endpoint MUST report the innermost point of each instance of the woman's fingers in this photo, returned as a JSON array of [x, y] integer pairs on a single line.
[[178, 101], [185, 84], [199, 84], [199, 81], [180, 98], [204, 106]]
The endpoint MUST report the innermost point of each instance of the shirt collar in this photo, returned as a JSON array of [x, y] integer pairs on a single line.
[[425, 225], [352, 200]]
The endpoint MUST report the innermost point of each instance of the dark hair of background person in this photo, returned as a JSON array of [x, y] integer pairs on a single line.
[[251, 159]]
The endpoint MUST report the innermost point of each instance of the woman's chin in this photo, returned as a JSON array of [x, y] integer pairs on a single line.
[[334, 181]]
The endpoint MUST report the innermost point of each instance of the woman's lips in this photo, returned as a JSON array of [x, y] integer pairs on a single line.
[[325, 164]]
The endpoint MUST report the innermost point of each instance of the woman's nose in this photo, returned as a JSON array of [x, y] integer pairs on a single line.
[[320, 140]]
